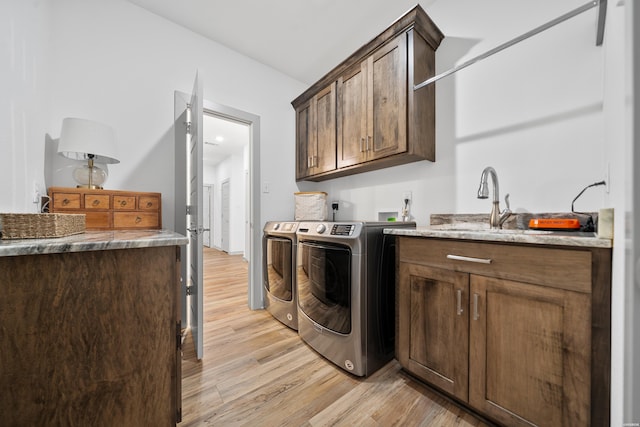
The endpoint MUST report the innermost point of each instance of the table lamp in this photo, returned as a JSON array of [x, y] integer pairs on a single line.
[[95, 142]]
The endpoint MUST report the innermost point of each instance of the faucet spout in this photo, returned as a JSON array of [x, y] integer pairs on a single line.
[[496, 218]]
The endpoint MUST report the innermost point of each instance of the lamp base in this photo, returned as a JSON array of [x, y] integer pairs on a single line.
[[90, 176]]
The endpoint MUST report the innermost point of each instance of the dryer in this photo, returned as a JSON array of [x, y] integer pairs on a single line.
[[345, 274], [279, 243]]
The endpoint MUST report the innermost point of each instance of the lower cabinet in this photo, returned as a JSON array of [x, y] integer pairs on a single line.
[[91, 338], [521, 335]]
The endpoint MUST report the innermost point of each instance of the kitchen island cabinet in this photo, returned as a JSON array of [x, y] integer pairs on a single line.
[[519, 333], [380, 121], [89, 329]]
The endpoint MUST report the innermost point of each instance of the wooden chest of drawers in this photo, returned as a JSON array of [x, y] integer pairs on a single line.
[[109, 209]]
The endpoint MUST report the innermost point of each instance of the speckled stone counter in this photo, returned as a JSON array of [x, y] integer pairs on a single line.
[[534, 237], [92, 241]]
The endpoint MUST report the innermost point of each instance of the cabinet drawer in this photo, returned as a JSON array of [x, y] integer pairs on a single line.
[[135, 220], [149, 203], [96, 201], [98, 220], [124, 202], [553, 267], [66, 201]]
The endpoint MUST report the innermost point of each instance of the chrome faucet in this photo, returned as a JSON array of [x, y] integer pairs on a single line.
[[497, 218]]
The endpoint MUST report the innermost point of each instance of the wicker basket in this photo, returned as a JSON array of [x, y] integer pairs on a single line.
[[38, 226]]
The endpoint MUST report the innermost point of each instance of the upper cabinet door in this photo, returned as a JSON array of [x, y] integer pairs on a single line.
[[352, 116], [387, 100], [325, 147], [304, 134], [372, 102], [316, 134]]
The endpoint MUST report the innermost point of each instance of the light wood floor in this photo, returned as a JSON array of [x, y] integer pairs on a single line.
[[257, 372]]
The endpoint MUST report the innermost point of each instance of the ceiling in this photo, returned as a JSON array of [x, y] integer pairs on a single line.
[[222, 138], [303, 39]]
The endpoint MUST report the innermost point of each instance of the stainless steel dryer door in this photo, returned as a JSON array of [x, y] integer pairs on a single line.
[[278, 280], [324, 284]]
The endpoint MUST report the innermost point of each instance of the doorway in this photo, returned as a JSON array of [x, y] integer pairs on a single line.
[[248, 191]]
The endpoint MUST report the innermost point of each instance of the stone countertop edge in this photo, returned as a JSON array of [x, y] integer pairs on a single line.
[[92, 241], [552, 238]]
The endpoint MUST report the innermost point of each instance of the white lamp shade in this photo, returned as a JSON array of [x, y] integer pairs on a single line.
[[79, 138]]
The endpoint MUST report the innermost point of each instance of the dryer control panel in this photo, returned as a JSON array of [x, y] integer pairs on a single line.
[[342, 229]]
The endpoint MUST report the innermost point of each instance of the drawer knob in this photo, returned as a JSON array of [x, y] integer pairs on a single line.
[[123, 203], [149, 204], [96, 202], [65, 202], [138, 220]]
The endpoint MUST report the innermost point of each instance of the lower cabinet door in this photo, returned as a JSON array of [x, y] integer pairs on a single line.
[[433, 326], [529, 353]]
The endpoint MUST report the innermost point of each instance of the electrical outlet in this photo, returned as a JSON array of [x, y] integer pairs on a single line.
[[36, 193], [406, 196]]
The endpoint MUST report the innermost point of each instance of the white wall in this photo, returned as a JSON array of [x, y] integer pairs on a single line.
[[24, 31], [534, 112], [116, 63], [232, 168]]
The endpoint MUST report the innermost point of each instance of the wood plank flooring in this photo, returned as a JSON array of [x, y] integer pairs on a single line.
[[258, 372]]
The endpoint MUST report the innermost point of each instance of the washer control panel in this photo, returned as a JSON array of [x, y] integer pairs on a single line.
[[330, 229], [342, 229]]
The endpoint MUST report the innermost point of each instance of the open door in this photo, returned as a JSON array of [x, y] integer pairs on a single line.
[[188, 197]]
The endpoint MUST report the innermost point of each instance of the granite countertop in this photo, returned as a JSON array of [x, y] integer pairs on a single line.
[[92, 241], [515, 230], [570, 238]]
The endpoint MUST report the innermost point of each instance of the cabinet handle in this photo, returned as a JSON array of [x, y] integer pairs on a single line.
[[459, 309], [368, 139], [469, 259], [314, 161], [476, 315], [362, 145]]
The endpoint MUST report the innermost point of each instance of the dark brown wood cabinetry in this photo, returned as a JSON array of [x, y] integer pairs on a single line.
[[377, 119], [316, 134], [91, 338], [519, 333]]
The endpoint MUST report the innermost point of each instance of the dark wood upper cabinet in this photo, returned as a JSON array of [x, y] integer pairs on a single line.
[[316, 134], [364, 114]]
